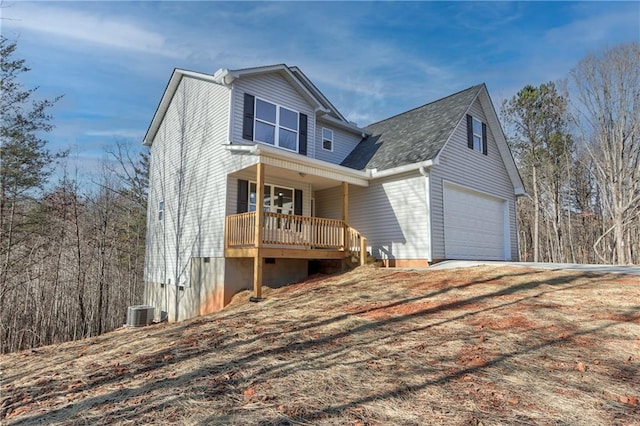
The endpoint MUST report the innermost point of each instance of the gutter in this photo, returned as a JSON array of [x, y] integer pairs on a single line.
[[520, 192], [421, 166], [259, 149]]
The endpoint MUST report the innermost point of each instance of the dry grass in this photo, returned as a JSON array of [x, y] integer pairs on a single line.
[[471, 346]]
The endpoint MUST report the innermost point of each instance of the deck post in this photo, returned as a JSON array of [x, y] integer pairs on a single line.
[[259, 227], [345, 213], [345, 226]]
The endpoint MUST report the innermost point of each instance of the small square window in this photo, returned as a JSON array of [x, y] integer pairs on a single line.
[[160, 210], [327, 139]]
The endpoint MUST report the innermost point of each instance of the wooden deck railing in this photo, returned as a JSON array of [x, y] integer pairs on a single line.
[[295, 232]]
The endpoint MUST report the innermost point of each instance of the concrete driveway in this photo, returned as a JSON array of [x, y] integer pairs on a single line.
[[609, 269]]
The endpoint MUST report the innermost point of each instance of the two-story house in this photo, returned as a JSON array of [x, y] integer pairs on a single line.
[[254, 173]]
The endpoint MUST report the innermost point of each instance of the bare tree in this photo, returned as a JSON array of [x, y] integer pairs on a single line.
[[608, 112]]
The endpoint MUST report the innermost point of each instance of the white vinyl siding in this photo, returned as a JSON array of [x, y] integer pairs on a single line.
[[192, 133], [461, 165], [343, 143], [275, 89], [391, 213]]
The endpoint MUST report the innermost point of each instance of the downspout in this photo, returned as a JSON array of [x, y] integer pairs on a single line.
[[427, 186]]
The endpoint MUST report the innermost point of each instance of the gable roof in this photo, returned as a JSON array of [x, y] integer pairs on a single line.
[[411, 137], [295, 77]]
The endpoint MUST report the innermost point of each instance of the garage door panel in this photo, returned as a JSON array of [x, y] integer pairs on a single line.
[[474, 225]]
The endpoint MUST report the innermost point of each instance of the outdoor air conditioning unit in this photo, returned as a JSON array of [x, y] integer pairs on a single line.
[[139, 315]]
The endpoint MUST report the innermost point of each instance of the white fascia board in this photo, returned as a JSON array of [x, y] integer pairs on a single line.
[[520, 192], [501, 141], [343, 125], [165, 101], [375, 174], [364, 175], [357, 177]]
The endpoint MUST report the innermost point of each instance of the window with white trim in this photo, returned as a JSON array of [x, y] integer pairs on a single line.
[[276, 125], [327, 139], [477, 135], [276, 199], [160, 210]]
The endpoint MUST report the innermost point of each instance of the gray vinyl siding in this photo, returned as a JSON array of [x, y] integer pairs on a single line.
[[190, 137], [343, 143], [391, 213], [274, 88], [464, 166]]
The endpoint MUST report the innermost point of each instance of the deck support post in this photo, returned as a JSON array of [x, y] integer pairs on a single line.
[[345, 220], [259, 227], [345, 212]]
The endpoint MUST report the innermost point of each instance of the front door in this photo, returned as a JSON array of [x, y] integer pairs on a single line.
[[276, 199]]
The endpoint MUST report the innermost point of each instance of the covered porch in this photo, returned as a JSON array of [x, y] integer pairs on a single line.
[[275, 232]]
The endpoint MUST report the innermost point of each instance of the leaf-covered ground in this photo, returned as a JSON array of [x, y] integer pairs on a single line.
[[481, 345]]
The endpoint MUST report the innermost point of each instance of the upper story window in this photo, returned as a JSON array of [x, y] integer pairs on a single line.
[[476, 134], [160, 210], [327, 139], [276, 125], [269, 123]]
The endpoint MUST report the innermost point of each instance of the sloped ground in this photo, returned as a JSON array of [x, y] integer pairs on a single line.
[[480, 345]]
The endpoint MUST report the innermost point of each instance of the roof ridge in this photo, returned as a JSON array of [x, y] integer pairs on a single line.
[[428, 103]]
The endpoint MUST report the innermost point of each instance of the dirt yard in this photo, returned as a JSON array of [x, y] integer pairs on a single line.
[[472, 346]]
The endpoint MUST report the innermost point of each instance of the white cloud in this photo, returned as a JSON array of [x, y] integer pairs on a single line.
[[117, 133], [598, 28], [115, 32]]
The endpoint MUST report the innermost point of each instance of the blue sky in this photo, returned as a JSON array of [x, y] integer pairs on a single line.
[[112, 60]]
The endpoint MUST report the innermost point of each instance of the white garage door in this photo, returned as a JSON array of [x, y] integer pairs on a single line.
[[474, 225]]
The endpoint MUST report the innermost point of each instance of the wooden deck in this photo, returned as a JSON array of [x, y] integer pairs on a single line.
[[293, 237], [263, 234]]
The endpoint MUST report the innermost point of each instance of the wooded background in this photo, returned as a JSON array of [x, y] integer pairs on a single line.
[[71, 259]]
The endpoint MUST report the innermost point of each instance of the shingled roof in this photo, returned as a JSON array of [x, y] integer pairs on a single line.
[[413, 136]]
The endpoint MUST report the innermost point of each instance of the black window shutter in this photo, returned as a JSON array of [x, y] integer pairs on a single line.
[[243, 196], [297, 202], [247, 123], [484, 139], [469, 131], [302, 135]]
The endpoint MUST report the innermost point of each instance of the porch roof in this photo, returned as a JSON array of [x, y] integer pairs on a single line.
[[297, 167]]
